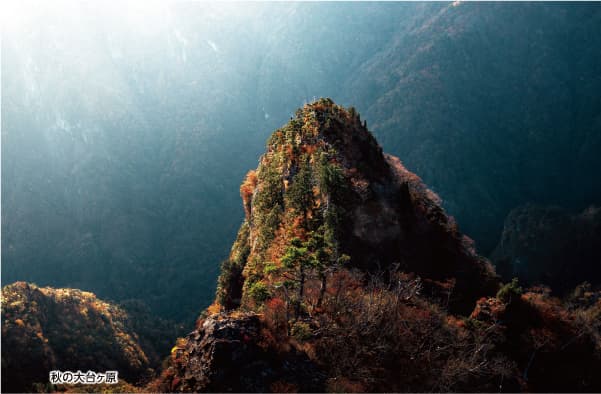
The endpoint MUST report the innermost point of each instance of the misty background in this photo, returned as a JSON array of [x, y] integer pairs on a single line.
[[127, 129]]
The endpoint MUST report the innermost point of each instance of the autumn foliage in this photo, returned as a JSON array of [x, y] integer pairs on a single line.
[[45, 328], [246, 190], [349, 260]]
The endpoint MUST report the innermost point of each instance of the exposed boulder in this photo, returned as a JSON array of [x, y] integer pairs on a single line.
[[228, 354]]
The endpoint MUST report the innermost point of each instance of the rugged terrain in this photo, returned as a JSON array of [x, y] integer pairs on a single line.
[[45, 329], [118, 132], [548, 245], [347, 275], [324, 195]]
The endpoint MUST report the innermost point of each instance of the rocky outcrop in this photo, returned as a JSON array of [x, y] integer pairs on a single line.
[[325, 211], [348, 276], [228, 354], [325, 175], [546, 244]]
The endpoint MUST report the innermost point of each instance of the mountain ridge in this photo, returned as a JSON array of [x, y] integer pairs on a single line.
[[46, 328], [123, 170]]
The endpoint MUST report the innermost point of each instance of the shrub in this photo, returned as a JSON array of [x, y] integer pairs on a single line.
[[258, 292], [270, 268], [276, 316], [229, 284], [301, 331], [247, 189], [510, 291]]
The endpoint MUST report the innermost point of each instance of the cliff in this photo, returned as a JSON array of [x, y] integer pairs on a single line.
[[348, 276]]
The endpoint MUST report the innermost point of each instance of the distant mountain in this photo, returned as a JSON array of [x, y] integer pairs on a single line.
[[347, 275], [45, 329], [125, 135], [548, 245]]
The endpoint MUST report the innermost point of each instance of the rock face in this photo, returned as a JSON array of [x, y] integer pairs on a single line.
[[225, 354], [545, 244]]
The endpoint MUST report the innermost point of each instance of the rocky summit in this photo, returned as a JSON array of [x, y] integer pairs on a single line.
[[347, 275], [325, 184]]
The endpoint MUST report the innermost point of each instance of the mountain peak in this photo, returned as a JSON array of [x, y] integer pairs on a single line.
[[324, 196], [327, 127], [347, 270]]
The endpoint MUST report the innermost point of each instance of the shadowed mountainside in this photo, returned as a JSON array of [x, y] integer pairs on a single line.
[[45, 329], [118, 135], [547, 245]]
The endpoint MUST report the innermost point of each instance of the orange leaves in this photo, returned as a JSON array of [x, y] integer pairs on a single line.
[[175, 382], [308, 149], [295, 229], [214, 308], [344, 281], [247, 189], [488, 309], [455, 322], [177, 352], [249, 184], [277, 246], [275, 315], [275, 304], [548, 308], [319, 106], [289, 150], [19, 323]]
